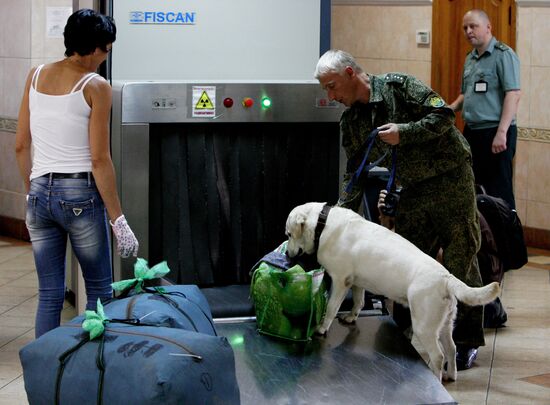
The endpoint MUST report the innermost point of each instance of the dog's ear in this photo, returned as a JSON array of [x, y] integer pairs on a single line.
[[296, 224]]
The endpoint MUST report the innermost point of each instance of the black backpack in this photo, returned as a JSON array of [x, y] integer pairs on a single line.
[[507, 230]]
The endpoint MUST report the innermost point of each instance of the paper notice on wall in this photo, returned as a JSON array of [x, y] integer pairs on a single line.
[[204, 101], [56, 19]]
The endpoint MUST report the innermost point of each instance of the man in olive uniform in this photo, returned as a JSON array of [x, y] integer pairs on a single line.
[[489, 101], [437, 207]]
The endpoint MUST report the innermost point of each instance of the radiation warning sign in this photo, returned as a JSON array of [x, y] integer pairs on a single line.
[[204, 101]]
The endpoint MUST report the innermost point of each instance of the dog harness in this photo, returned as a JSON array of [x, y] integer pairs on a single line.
[[321, 222]]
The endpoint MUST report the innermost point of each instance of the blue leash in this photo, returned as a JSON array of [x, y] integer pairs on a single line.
[[370, 142]]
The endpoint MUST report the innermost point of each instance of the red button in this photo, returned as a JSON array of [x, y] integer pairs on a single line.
[[228, 102], [248, 102]]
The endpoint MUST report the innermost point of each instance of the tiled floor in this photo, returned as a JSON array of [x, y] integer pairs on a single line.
[[514, 367]]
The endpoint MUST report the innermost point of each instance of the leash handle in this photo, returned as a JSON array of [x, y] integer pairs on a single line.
[[370, 142]]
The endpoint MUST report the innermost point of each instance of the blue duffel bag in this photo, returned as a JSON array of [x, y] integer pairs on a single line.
[[176, 306], [129, 364]]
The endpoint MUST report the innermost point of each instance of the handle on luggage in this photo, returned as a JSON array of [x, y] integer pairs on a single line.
[[64, 358]]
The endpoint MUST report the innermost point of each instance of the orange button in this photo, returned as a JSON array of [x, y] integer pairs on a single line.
[[248, 102]]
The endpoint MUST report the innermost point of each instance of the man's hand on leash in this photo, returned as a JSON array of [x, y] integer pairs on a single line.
[[389, 133]]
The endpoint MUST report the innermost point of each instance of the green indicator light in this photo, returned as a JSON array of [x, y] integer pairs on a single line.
[[266, 102], [237, 340]]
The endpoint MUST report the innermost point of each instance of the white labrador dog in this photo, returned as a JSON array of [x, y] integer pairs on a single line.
[[361, 255]]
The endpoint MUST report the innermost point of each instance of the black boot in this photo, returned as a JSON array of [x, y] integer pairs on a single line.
[[465, 357]]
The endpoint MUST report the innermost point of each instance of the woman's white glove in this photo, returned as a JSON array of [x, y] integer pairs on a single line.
[[127, 244]]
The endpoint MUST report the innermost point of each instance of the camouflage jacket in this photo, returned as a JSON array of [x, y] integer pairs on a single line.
[[429, 143]]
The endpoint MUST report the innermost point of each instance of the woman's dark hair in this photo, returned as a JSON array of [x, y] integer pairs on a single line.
[[87, 30]]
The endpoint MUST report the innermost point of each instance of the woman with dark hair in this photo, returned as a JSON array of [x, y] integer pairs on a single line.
[[70, 178]]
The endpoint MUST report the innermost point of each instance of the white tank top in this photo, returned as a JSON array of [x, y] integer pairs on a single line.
[[59, 129]]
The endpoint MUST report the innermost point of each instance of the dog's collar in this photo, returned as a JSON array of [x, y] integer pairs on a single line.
[[321, 222]]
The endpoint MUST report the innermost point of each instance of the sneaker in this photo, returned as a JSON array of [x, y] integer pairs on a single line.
[[465, 357]]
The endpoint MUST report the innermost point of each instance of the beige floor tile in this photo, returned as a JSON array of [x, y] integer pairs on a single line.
[[14, 393], [526, 274], [511, 396], [12, 300], [17, 254], [9, 372], [23, 311], [514, 295], [19, 267], [27, 308], [520, 316], [540, 379], [10, 289], [508, 388], [11, 275], [16, 321], [539, 259], [10, 357], [527, 332], [5, 308], [9, 333], [27, 281], [68, 314], [19, 342], [9, 399], [519, 339]]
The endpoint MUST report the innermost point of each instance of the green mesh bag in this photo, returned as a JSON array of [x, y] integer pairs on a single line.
[[289, 301]]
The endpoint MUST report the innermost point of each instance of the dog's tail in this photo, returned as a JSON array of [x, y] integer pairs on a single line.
[[472, 295]]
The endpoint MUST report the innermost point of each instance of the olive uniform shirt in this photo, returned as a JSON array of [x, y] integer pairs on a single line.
[[429, 142]]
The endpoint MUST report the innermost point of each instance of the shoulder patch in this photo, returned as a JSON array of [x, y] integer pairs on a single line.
[[501, 46], [395, 78], [436, 101]]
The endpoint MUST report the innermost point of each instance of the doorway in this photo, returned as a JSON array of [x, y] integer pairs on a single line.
[[449, 46]]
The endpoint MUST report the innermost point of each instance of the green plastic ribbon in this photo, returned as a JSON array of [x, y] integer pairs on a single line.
[[95, 321], [142, 272]]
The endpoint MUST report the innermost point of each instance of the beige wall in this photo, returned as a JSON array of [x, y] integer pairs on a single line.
[[368, 30], [532, 180], [23, 44], [383, 38]]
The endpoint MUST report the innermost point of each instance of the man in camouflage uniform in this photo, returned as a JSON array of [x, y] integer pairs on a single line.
[[437, 207]]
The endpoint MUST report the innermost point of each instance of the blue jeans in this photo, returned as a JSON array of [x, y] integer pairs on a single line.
[[58, 208]]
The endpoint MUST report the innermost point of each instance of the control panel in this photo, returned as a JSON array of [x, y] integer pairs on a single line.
[[227, 102]]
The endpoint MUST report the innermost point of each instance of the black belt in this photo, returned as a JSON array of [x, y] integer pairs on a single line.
[[80, 175]]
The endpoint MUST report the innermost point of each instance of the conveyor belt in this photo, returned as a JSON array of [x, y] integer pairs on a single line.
[[368, 363]]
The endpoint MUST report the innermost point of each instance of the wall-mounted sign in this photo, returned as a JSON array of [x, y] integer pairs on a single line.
[[204, 101], [163, 17], [56, 19]]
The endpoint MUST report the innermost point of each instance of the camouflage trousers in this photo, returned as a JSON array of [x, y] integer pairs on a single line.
[[441, 213]]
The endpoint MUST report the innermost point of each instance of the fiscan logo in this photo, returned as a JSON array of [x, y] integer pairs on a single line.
[[163, 17]]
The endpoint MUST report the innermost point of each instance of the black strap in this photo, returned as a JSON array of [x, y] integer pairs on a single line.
[[390, 186], [321, 222], [62, 360], [101, 367], [166, 297]]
